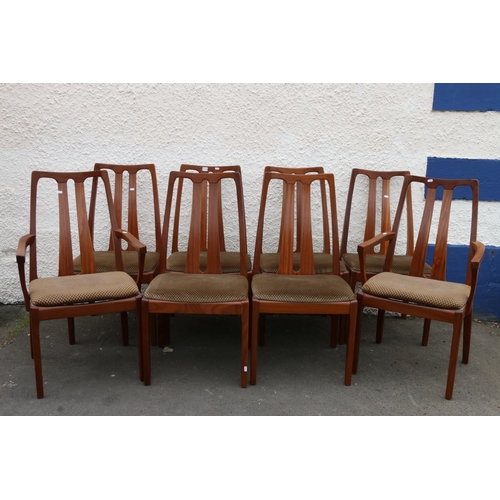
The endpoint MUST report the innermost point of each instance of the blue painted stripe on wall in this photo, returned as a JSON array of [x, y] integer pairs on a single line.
[[466, 97], [487, 298], [487, 172]]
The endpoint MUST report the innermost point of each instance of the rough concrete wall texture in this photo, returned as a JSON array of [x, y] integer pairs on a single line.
[[69, 127]]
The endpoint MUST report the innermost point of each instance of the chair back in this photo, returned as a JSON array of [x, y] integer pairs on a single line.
[[68, 238], [324, 209], [378, 207], [296, 228], [127, 206], [203, 200], [435, 189], [205, 225]]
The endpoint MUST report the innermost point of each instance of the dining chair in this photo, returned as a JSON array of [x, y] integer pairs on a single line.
[[230, 260], [201, 288], [302, 290], [429, 296], [69, 295], [369, 198]]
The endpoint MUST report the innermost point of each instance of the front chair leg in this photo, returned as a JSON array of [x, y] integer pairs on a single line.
[[37, 354], [254, 341], [455, 343], [244, 344], [467, 336]]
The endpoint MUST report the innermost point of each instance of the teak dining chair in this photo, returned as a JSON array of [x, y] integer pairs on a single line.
[[200, 290], [302, 290], [230, 260], [127, 177], [69, 295], [377, 199], [431, 297], [269, 261]]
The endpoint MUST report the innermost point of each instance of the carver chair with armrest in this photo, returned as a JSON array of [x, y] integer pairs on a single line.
[[431, 296], [230, 260], [69, 295], [377, 199], [201, 289], [302, 290]]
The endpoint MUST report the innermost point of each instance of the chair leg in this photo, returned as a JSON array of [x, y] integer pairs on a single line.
[[244, 344], [254, 333], [37, 354], [146, 344], [427, 329], [467, 337], [124, 322], [335, 330], [139, 336], [380, 326], [357, 330], [71, 331], [350, 344], [455, 344]]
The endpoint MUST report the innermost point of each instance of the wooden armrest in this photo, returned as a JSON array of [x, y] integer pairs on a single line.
[[473, 270], [24, 242], [368, 244], [138, 246], [478, 249]]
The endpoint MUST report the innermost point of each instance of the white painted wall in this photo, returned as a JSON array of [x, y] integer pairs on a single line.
[[338, 126]]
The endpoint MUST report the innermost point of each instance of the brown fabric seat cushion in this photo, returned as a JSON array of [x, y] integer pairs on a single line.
[[230, 262], [424, 291], [301, 288], [82, 288], [375, 263], [105, 261], [196, 288], [322, 263]]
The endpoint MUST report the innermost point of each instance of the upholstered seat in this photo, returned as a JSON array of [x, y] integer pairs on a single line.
[[198, 288], [423, 291], [319, 288], [81, 288]]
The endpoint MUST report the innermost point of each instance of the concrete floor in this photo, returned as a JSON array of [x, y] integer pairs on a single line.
[[298, 373]]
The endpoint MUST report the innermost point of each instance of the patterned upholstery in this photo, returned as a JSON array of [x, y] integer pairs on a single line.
[[322, 263], [375, 263], [424, 291], [82, 288], [105, 261], [230, 262], [197, 288], [301, 288]]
